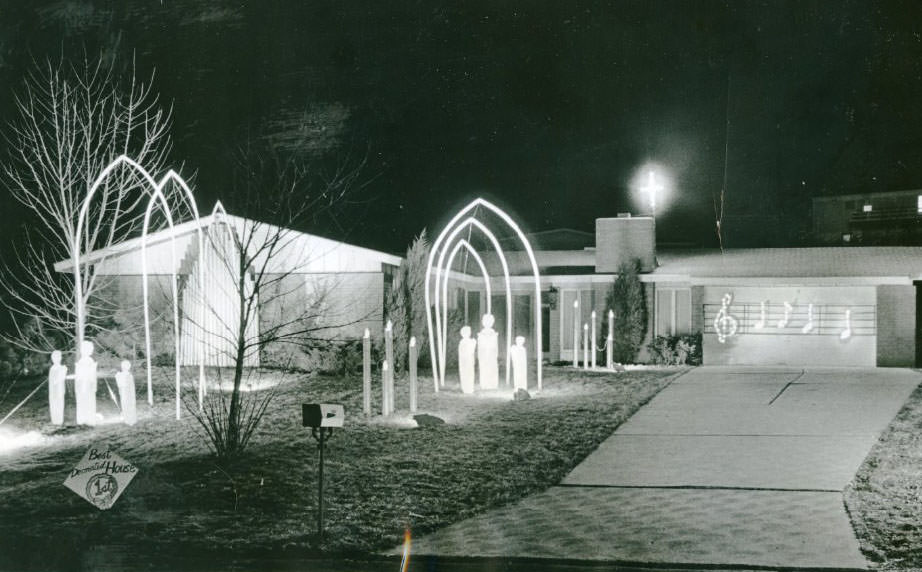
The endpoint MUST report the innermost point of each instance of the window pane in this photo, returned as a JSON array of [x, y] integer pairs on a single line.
[[566, 318], [683, 312], [664, 312], [473, 310]]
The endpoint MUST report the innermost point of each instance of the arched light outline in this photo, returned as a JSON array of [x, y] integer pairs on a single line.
[[175, 177], [156, 192], [442, 329], [534, 265], [173, 287], [483, 268]]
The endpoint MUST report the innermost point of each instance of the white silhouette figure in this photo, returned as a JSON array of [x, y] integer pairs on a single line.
[[126, 394], [57, 373], [466, 349], [487, 351], [85, 385], [519, 357]]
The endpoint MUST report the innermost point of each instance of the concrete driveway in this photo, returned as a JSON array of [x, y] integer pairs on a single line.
[[726, 466]]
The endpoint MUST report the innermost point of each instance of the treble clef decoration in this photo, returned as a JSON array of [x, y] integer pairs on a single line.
[[724, 324]]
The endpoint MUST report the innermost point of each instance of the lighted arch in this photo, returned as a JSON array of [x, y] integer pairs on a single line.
[[534, 265], [173, 176], [442, 329], [173, 287], [156, 194], [483, 269]]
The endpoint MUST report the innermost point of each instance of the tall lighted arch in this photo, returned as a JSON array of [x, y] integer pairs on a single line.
[[156, 195], [172, 176], [439, 245], [442, 272]]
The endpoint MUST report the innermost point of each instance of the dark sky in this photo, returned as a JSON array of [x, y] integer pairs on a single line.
[[547, 107]]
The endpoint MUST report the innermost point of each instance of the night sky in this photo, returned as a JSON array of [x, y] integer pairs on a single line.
[[549, 108]]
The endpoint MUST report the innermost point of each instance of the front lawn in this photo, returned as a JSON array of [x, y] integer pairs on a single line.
[[885, 497], [382, 476]]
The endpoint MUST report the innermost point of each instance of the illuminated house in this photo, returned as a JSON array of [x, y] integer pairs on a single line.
[[836, 306], [342, 286], [881, 218]]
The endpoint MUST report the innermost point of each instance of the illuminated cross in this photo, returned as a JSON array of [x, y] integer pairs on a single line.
[[651, 188]]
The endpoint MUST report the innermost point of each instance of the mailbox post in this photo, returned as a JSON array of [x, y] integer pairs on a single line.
[[321, 418]]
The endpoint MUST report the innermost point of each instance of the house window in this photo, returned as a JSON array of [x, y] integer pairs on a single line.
[[919, 204], [673, 311], [473, 310], [586, 300], [867, 208]]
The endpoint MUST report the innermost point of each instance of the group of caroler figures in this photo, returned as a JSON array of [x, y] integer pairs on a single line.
[[85, 384], [485, 348]]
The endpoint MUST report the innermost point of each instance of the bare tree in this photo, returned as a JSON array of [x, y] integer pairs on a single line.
[[73, 121], [260, 294]]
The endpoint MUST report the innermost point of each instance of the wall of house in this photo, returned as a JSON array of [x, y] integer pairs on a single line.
[[118, 327], [789, 345], [896, 323]]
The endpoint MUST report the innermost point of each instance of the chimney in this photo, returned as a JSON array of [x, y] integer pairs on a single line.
[[623, 239]]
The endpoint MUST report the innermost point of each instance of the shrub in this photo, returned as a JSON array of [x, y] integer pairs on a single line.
[[17, 361], [405, 304], [628, 301], [683, 349]]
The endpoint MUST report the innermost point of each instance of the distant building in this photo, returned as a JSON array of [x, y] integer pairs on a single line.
[[871, 219]]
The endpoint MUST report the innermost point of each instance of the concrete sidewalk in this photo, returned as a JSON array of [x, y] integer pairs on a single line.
[[726, 467]]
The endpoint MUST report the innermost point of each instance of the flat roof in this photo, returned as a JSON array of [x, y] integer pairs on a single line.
[[818, 262]]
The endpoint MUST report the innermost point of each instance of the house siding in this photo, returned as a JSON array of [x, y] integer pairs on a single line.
[[896, 324]]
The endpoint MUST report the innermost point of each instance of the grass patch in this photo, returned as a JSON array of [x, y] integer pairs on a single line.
[[884, 499], [382, 475]]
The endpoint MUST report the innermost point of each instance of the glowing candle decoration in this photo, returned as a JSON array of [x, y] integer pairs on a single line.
[[575, 333], [366, 373], [592, 340], [610, 342]]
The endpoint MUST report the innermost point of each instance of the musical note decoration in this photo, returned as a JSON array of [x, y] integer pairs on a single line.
[[761, 323], [847, 332], [783, 322], [808, 327], [724, 324]]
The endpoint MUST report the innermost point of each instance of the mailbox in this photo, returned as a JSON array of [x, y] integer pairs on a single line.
[[322, 415]]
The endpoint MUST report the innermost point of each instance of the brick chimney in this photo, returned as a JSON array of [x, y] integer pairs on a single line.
[[623, 239]]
